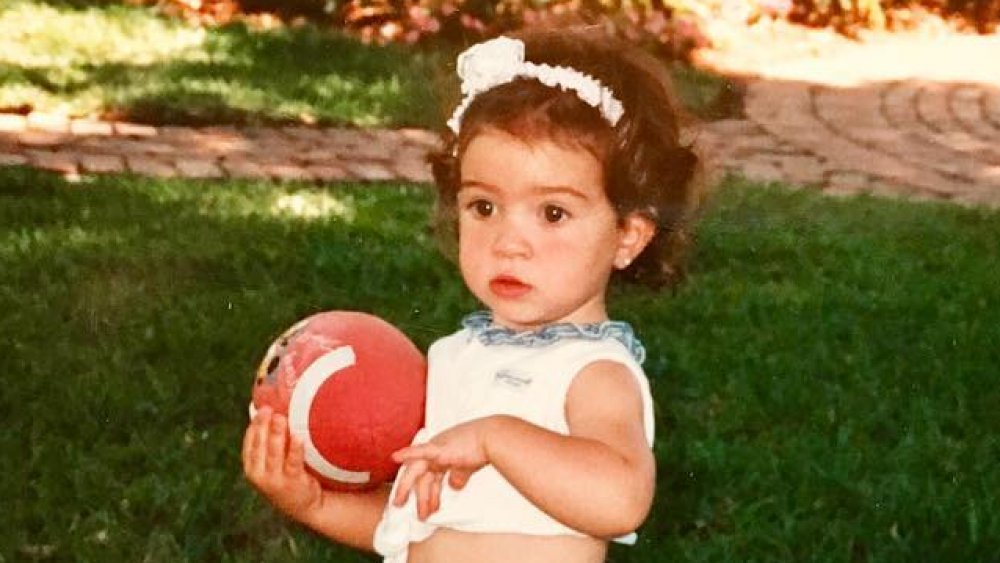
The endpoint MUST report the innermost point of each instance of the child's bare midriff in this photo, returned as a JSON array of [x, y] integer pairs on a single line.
[[449, 545]]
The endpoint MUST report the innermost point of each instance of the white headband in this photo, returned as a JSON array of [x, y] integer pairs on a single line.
[[501, 60]]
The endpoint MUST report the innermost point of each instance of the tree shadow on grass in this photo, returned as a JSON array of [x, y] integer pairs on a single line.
[[248, 77]]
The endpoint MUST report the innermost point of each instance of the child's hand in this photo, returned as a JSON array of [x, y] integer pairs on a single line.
[[275, 465], [459, 451]]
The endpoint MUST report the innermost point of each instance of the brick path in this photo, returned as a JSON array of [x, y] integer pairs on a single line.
[[79, 146], [895, 115], [904, 115]]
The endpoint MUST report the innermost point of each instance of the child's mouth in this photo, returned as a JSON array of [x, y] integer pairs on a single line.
[[508, 287]]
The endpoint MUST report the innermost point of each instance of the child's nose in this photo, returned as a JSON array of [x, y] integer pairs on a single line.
[[510, 240]]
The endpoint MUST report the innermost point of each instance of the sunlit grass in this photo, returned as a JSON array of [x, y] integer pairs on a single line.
[[128, 63], [40, 35], [825, 384], [314, 205]]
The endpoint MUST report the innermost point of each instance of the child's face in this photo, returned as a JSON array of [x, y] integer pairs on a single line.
[[538, 237]]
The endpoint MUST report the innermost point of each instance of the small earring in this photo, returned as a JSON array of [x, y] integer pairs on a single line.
[[624, 263]]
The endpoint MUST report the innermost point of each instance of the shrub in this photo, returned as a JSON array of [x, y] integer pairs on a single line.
[[674, 26]]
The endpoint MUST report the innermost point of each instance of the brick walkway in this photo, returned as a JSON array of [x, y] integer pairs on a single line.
[[78, 146], [903, 116], [895, 115]]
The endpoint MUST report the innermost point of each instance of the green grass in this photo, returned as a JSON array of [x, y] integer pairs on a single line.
[[705, 95], [123, 62], [128, 63], [826, 382], [830, 389]]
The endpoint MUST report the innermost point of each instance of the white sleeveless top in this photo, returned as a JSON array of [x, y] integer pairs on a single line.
[[484, 370]]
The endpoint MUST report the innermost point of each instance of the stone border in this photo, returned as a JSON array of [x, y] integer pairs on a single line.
[[81, 146]]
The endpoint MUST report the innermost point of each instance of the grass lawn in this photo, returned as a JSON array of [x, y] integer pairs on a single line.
[[127, 63], [825, 384]]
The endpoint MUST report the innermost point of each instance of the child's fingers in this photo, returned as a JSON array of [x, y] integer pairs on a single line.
[[295, 462], [422, 493], [426, 501], [435, 500], [407, 479], [276, 440], [414, 453], [255, 440], [245, 450], [457, 478]]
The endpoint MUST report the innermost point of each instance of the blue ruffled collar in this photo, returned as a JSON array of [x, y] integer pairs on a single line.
[[480, 325]]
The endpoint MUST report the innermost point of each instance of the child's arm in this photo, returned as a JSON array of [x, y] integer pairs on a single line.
[[275, 465], [598, 480]]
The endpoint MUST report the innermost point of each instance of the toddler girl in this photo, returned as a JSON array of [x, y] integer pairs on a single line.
[[562, 167]]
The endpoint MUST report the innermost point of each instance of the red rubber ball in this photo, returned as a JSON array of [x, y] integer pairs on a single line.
[[353, 388]]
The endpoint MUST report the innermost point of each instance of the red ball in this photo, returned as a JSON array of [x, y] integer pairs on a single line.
[[352, 387]]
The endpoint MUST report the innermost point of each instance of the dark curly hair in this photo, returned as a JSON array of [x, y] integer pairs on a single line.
[[647, 169]]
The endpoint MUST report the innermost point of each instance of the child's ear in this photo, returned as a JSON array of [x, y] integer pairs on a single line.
[[634, 234]]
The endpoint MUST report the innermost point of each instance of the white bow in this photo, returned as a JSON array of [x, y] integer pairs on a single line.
[[499, 61]]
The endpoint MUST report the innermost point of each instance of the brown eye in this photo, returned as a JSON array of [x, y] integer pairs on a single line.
[[554, 213], [482, 208]]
